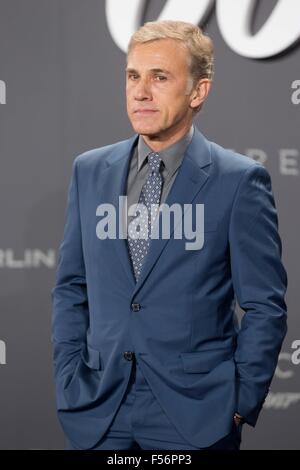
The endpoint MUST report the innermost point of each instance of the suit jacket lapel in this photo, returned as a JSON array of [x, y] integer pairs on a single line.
[[112, 184]]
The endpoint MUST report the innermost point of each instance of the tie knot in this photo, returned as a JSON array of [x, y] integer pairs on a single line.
[[154, 160]]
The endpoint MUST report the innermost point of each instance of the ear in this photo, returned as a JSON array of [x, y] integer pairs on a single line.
[[200, 92]]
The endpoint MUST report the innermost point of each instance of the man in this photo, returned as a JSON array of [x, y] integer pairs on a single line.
[[147, 350]]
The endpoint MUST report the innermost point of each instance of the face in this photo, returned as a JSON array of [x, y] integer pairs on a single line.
[[157, 78]]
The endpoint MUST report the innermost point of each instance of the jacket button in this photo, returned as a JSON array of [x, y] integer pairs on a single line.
[[128, 355], [135, 307]]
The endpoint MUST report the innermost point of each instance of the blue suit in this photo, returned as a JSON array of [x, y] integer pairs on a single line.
[[200, 365]]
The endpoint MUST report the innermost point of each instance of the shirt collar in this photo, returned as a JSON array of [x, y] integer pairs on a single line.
[[171, 156]]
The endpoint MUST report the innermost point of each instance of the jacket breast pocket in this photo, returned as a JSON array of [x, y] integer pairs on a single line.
[[205, 360]]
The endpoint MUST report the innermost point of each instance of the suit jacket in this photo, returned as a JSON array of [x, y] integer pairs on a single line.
[[200, 364]]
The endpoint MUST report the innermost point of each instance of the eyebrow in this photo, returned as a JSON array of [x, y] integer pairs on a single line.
[[157, 70]]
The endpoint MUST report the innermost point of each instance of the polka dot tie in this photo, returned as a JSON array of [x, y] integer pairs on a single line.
[[139, 242]]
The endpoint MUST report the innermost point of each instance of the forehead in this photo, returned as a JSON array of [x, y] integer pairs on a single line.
[[168, 54]]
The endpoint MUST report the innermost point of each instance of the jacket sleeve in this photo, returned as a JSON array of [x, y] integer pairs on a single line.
[[70, 313], [260, 283]]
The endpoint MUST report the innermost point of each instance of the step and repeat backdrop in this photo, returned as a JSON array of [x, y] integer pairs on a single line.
[[62, 91]]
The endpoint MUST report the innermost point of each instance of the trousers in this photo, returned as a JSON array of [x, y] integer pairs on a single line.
[[141, 423]]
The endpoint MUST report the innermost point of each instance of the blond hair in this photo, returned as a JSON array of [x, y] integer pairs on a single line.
[[199, 46]]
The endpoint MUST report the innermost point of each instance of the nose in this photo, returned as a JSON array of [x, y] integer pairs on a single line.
[[142, 90]]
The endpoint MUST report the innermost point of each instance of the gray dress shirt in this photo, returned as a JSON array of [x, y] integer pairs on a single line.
[[171, 156]]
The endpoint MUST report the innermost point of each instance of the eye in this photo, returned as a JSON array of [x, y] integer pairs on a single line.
[[161, 78], [132, 76]]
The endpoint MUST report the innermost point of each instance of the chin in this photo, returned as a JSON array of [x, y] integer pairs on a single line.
[[141, 128]]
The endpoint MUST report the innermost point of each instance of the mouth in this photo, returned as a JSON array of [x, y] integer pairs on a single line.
[[145, 112]]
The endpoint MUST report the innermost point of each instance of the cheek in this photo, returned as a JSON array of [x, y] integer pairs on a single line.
[[129, 93], [174, 106]]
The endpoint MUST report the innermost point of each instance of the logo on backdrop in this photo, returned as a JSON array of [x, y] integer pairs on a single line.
[[2, 92], [288, 159], [2, 352], [29, 259], [234, 20], [285, 371]]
